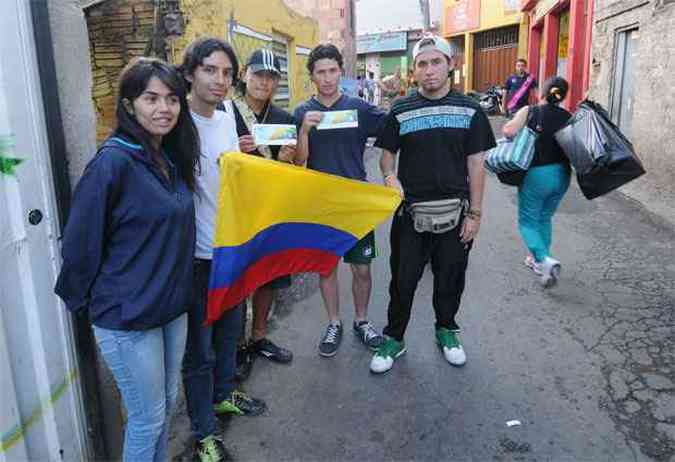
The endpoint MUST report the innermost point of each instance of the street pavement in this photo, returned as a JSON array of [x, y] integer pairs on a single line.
[[587, 368]]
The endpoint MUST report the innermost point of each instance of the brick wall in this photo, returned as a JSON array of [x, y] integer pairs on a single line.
[[119, 30], [653, 121]]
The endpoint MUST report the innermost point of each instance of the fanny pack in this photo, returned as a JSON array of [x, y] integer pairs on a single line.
[[437, 216]]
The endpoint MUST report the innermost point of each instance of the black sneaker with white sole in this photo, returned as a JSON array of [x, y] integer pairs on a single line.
[[267, 349], [368, 335], [331, 340]]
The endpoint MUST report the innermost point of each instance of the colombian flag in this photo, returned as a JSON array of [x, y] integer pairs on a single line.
[[276, 219]]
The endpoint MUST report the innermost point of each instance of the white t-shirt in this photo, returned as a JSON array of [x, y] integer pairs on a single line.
[[216, 135]]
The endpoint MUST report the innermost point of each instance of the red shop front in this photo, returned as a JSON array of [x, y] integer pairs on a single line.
[[560, 42]]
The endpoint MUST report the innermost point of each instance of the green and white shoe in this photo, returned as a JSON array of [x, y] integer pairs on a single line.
[[386, 354], [239, 403], [211, 449], [452, 348]]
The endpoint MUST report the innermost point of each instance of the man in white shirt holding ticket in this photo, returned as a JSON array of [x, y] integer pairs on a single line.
[[332, 132]]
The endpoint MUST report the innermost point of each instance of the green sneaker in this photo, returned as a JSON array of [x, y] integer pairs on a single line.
[[211, 449], [239, 403], [452, 348], [385, 355]]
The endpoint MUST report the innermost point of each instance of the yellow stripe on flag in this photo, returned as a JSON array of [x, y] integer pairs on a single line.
[[256, 193]]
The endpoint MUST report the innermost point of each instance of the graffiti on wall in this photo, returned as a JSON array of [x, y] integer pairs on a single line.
[[7, 163]]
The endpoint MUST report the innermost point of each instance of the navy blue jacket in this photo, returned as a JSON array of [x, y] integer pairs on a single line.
[[128, 246]]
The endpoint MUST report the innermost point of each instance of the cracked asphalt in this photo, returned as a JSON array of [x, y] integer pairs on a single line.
[[587, 368]]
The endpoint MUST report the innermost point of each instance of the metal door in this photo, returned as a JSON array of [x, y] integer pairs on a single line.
[[623, 86], [41, 408], [495, 55]]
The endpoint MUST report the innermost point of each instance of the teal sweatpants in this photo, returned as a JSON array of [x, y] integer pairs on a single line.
[[538, 198]]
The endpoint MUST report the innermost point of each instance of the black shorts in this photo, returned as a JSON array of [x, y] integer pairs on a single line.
[[283, 282]]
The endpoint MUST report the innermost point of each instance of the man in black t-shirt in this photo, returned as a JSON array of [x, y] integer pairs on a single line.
[[517, 89], [440, 137], [253, 103]]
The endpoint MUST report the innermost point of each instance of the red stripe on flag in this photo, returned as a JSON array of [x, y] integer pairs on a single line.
[[265, 270]]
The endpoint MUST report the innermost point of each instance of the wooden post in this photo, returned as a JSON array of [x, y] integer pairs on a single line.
[[577, 53], [589, 46], [551, 33]]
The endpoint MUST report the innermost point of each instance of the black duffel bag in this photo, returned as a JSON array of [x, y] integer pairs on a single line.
[[603, 158]]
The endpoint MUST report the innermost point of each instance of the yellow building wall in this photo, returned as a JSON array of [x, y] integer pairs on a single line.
[[493, 14], [269, 17]]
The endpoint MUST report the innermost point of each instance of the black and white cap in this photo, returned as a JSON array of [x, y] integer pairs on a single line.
[[264, 60]]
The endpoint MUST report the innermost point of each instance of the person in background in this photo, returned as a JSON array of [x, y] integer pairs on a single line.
[[360, 88], [339, 152], [517, 89], [411, 82], [547, 179], [390, 87], [128, 246], [209, 66], [371, 88], [254, 104]]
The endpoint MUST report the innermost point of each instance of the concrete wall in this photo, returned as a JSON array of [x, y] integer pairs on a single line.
[[74, 81], [71, 56], [654, 105]]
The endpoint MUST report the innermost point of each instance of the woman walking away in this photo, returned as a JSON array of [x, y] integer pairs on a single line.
[[128, 247], [546, 181]]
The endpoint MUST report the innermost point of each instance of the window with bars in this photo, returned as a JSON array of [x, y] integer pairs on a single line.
[[280, 49], [497, 38]]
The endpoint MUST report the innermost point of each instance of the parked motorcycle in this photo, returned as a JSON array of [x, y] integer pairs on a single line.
[[490, 101]]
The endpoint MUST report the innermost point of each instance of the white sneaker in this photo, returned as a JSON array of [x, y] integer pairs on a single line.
[[533, 265], [450, 345], [386, 354], [455, 356], [550, 269]]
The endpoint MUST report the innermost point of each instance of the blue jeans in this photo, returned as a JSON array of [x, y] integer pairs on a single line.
[[146, 367], [210, 356], [538, 199]]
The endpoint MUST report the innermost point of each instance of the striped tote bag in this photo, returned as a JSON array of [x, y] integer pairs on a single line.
[[512, 155]]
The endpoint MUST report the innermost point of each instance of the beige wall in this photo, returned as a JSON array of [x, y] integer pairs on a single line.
[[336, 25]]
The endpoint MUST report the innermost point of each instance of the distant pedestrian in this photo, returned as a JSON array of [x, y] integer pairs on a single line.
[[254, 102], [339, 151], [517, 89], [360, 87], [371, 87], [391, 87], [128, 246], [547, 180], [439, 137]]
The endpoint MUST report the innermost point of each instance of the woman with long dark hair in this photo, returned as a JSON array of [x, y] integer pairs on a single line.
[[128, 248], [547, 180]]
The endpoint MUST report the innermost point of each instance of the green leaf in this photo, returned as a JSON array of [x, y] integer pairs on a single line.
[[7, 165]]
